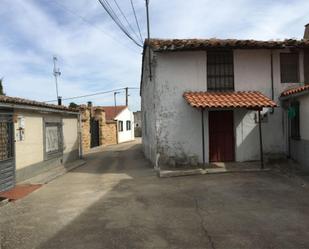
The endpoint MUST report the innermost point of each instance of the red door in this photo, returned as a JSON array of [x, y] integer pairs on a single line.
[[221, 136]]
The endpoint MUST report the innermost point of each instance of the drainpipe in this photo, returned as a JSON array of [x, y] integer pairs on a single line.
[[261, 141], [272, 79], [203, 138], [80, 135]]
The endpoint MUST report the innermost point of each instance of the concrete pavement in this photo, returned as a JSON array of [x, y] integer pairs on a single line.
[[116, 201]]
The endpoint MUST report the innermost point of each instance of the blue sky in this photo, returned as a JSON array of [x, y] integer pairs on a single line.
[[99, 57]]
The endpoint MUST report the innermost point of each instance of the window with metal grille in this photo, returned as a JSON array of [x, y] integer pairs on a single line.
[[6, 139], [120, 123], [128, 124], [220, 70], [295, 129], [289, 67], [53, 139]]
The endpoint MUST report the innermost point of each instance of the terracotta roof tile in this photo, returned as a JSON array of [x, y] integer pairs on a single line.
[[111, 111], [228, 100], [27, 102], [294, 90], [199, 44]]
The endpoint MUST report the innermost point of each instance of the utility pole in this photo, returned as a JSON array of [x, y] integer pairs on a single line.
[[148, 40], [115, 102], [56, 73], [127, 96]]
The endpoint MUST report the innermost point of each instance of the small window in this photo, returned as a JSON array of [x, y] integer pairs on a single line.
[[120, 125], [128, 124], [220, 70], [53, 139], [294, 116], [289, 67]]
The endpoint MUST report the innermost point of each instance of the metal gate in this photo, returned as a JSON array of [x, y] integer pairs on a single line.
[[94, 132], [7, 160]]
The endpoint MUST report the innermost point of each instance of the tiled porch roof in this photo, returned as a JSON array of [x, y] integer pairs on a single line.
[[295, 90], [249, 100]]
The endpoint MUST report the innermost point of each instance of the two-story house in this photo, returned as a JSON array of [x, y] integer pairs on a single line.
[[208, 100]]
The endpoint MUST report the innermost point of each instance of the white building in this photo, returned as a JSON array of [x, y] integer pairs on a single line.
[[125, 121], [35, 137], [219, 74]]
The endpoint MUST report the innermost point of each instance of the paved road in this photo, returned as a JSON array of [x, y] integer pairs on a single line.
[[116, 201]]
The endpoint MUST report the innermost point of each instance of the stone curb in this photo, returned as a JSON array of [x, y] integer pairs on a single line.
[[175, 173]]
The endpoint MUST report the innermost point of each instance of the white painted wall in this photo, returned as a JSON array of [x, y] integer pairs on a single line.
[[125, 135], [70, 134], [304, 117], [174, 128], [30, 150]]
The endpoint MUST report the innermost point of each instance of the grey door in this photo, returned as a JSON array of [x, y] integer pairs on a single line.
[[7, 160]]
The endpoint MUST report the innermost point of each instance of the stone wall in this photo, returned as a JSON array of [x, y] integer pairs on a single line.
[[107, 130]]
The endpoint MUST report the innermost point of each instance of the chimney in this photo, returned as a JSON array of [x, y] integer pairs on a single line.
[[59, 100], [306, 34], [89, 104]]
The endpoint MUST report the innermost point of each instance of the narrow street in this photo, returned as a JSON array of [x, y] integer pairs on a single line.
[[116, 201]]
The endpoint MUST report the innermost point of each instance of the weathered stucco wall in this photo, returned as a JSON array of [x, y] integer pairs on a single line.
[[177, 132], [148, 107]]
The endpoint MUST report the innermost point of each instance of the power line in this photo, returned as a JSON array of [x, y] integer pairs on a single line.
[[94, 94], [105, 4], [137, 24], [124, 16], [104, 32]]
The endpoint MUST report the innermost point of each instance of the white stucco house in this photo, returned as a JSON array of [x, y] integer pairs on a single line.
[[35, 137], [124, 119], [208, 100]]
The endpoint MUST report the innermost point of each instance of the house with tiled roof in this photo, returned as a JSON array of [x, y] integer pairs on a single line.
[[217, 100], [35, 138]]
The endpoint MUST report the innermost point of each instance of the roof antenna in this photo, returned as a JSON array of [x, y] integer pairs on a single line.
[[56, 73]]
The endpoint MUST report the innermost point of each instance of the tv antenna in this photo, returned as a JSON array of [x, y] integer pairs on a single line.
[[56, 74]]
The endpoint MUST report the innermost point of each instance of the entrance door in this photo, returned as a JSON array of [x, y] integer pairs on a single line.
[[7, 161], [221, 136], [94, 132]]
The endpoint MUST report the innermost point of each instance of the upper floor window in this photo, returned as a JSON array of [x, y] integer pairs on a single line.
[[220, 70], [289, 67]]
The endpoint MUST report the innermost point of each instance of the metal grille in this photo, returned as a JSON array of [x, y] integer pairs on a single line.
[[220, 71], [7, 162]]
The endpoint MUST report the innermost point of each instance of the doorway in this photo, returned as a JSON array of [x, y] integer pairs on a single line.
[[221, 136]]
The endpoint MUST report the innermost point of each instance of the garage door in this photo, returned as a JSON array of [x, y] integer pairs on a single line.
[[7, 161]]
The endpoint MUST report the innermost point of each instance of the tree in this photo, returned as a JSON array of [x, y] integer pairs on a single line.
[[1, 87], [73, 105]]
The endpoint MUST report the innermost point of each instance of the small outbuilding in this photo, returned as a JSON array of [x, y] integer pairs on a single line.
[[35, 137]]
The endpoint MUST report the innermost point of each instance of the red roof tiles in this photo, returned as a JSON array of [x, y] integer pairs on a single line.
[[295, 90], [228, 100], [200, 44], [111, 111]]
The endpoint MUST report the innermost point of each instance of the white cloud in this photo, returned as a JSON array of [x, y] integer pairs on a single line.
[[90, 60]]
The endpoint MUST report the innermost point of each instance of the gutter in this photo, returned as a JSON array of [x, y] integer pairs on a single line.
[[272, 78]]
